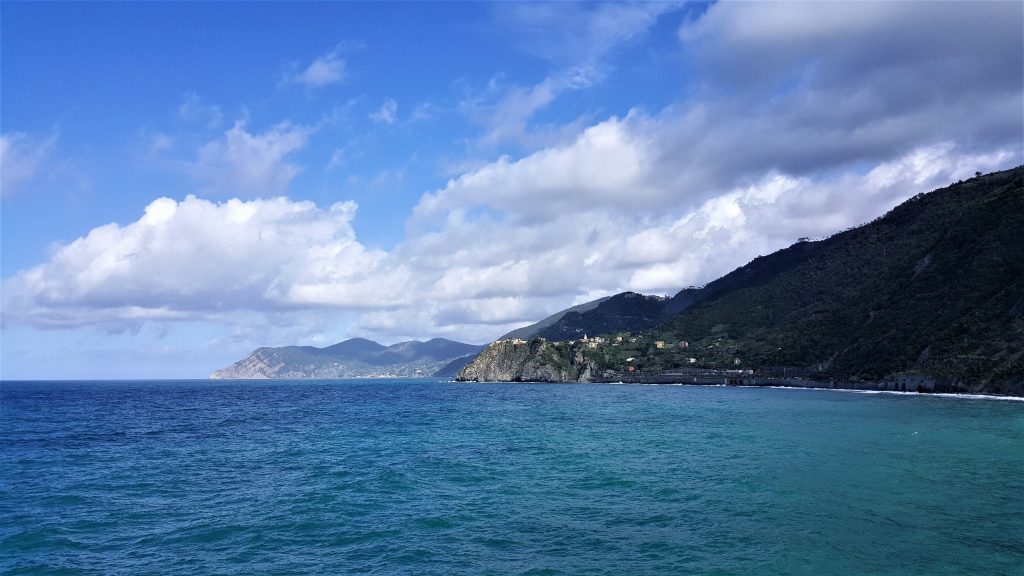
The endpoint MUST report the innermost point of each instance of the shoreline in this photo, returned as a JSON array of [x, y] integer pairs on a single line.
[[965, 396]]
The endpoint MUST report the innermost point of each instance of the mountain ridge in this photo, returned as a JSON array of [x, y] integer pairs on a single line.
[[352, 358], [622, 311]]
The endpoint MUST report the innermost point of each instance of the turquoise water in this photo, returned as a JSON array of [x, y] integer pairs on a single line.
[[426, 477]]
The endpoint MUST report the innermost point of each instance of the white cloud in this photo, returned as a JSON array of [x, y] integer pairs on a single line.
[[324, 71], [252, 164], [196, 259], [599, 248], [386, 113], [608, 164], [22, 157]]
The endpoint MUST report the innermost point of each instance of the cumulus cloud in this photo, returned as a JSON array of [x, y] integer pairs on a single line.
[[596, 248], [252, 164], [386, 113], [324, 71], [195, 258], [606, 165], [22, 157]]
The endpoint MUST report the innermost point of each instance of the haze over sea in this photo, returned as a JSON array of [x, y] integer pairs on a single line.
[[431, 477]]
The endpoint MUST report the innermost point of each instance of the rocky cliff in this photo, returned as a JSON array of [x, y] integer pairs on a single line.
[[517, 360]]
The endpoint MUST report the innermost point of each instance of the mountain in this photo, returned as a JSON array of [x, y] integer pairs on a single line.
[[353, 358], [622, 312], [935, 288], [534, 330]]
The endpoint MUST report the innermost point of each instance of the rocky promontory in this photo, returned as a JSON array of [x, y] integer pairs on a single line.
[[517, 360]]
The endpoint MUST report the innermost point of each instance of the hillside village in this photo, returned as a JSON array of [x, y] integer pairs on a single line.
[[627, 353]]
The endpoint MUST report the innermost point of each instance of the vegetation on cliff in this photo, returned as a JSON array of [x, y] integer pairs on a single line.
[[624, 311], [935, 286], [517, 360]]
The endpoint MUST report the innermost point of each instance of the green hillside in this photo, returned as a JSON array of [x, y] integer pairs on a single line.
[[935, 286]]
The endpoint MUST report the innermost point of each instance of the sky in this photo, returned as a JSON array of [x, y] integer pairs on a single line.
[[185, 182]]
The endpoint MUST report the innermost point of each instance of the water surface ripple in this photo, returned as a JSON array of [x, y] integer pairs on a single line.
[[426, 477]]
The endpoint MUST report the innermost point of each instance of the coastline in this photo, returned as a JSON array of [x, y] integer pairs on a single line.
[[964, 396], [899, 393]]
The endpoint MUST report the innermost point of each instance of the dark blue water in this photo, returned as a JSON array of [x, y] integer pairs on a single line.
[[423, 477]]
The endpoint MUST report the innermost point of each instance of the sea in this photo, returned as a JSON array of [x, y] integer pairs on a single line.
[[393, 476]]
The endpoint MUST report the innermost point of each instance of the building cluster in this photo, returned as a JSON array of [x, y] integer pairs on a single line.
[[512, 341]]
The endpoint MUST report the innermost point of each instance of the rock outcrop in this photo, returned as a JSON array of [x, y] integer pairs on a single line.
[[518, 360]]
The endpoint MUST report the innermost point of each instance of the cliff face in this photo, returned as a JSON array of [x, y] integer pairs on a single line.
[[259, 365], [520, 361]]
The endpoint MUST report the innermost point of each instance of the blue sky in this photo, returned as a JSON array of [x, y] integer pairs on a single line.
[[185, 182]]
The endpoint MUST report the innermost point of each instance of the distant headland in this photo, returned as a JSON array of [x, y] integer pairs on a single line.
[[354, 358]]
